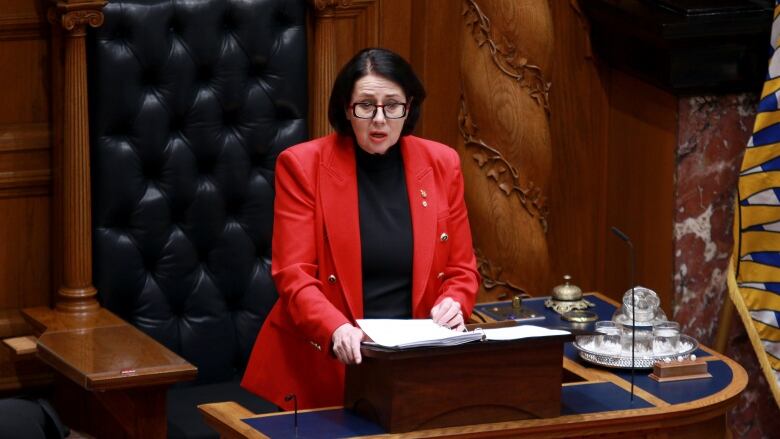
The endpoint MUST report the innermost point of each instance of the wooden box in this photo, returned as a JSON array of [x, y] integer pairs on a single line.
[[479, 382]]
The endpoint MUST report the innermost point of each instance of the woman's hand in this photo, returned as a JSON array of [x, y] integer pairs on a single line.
[[346, 343], [448, 313]]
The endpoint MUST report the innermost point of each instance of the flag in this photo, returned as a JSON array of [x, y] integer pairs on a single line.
[[754, 280]]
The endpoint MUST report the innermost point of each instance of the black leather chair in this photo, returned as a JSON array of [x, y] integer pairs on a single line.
[[191, 101]]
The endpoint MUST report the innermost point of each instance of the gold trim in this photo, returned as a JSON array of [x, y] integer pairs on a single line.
[[498, 169], [755, 339], [506, 57]]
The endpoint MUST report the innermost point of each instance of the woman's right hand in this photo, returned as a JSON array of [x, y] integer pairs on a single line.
[[346, 343]]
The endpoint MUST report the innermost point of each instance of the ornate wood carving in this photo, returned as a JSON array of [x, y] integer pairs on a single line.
[[506, 55], [79, 19], [76, 293], [324, 4], [498, 169], [492, 276], [504, 141]]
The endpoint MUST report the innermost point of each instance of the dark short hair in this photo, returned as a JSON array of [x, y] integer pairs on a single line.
[[381, 62]]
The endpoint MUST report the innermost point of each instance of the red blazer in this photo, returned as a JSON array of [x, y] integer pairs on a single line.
[[316, 262]]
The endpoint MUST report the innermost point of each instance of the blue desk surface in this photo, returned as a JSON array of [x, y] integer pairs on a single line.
[[576, 398]]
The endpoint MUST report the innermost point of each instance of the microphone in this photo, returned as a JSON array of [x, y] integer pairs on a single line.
[[627, 240], [288, 397]]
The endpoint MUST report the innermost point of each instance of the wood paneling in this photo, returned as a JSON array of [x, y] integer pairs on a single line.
[[435, 39], [23, 80], [25, 148], [613, 141], [640, 186], [25, 182], [24, 233], [579, 109]]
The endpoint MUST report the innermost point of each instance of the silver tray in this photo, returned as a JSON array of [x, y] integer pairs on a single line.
[[688, 345]]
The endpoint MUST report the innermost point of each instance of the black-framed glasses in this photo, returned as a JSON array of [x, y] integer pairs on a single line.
[[367, 110]]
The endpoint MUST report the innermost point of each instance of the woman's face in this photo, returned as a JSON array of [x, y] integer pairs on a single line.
[[376, 134]]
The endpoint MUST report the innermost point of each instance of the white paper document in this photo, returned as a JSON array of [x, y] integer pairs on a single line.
[[401, 333], [521, 331]]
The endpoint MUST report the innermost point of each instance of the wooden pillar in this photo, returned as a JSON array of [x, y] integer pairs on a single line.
[[341, 28], [324, 68], [505, 148], [75, 294]]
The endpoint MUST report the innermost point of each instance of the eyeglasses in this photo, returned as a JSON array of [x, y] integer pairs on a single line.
[[367, 110]]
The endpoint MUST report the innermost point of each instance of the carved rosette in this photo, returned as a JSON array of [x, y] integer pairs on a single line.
[[499, 170], [506, 57]]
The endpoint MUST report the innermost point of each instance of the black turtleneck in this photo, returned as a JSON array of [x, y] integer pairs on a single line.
[[385, 234]]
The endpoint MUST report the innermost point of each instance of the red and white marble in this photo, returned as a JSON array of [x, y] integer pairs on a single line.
[[712, 133]]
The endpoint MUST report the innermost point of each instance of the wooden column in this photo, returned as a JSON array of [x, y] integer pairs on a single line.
[[505, 149], [341, 29], [76, 294]]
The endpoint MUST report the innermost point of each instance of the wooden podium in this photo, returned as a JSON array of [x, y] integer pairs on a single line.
[[473, 383]]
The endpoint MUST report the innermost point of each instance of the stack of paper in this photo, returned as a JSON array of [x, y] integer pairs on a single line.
[[401, 334], [398, 333]]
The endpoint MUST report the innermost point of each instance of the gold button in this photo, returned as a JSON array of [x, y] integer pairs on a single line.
[[316, 345], [423, 193], [332, 279], [440, 275], [444, 237], [425, 203]]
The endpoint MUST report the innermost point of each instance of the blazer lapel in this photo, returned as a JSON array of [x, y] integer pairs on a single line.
[[423, 207], [338, 189]]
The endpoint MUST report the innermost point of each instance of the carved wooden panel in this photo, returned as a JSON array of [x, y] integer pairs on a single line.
[[505, 147]]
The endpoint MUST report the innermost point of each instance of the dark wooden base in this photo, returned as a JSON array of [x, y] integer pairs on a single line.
[[126, 413], [461, 385]]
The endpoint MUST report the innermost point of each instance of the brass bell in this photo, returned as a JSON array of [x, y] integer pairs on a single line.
[[567, 292], [568, 298]]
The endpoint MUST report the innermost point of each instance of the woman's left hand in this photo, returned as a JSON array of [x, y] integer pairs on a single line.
[[448, 313]]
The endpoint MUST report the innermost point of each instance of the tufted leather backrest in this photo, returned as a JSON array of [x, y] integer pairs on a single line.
[[191, 101]]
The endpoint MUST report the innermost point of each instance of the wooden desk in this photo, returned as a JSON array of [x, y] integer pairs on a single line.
[[111, 379], [594, 401]]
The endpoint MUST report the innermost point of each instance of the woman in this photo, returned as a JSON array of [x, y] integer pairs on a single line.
[[369, 222]]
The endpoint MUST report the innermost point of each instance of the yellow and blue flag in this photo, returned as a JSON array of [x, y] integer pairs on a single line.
[[754, 285]]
